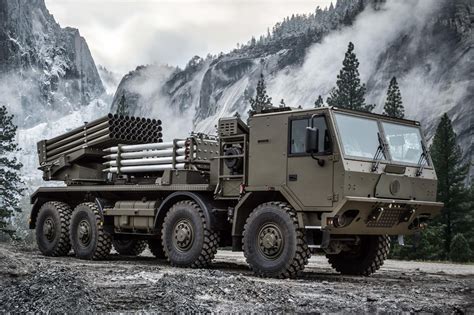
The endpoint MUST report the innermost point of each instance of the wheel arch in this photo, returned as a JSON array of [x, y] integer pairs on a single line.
[[204, 201], [39, 198], [246, 205], [37, 203]]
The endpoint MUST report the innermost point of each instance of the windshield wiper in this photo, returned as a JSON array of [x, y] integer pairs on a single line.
[[423, 159], [379, 153]]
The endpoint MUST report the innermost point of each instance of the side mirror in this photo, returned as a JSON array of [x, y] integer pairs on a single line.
[[312, 140]]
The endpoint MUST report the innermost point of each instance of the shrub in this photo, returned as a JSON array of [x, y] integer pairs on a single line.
[[460, 251]]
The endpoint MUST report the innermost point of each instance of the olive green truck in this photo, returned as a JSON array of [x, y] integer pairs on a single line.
[[286, 184]]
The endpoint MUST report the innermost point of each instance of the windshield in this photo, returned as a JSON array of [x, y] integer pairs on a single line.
[[404, 142], [359, 135]]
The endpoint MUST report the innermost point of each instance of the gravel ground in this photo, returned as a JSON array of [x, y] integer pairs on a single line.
[[30, 282]]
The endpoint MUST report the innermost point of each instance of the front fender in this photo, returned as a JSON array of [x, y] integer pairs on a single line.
[[378, 216], [34, 212]]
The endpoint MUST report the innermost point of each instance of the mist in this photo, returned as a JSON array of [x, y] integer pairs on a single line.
[[124, 34], [372, 33], [378, 35]]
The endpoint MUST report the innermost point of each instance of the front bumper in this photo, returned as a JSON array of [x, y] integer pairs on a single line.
[[377, 216]]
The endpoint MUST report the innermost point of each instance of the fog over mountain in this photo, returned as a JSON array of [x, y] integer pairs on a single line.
[[425, 44], [49, 79]]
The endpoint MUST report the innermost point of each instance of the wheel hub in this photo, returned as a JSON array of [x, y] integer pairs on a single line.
[[48, 229], [183, 235], [270, 241], [84, 232]]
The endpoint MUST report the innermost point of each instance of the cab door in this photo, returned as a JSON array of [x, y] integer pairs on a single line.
[[310, 183]]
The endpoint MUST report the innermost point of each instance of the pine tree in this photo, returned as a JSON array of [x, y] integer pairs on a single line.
[[122, 107], [394, 105], [347, 19], [460, 251], [253, 42], [361, 6], [447, 160], [247, 94], [349, 92], [11, 185], [465, 225], [282, 103], [261, 100], [319, 102]]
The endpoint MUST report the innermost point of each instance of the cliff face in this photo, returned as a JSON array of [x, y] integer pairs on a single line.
[[45, 70], [425, 44], [210, 87]]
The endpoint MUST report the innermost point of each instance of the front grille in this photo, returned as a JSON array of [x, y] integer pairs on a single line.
[[388, 218]]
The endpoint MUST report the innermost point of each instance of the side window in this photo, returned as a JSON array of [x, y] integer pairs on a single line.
[[298, 131], [298, 134]]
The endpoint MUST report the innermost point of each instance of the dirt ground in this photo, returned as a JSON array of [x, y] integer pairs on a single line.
[[30, 282]]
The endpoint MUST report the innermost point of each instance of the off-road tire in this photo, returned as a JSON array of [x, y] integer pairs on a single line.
[[129, 247], [156, 248], [365, 259], [294, 252], [205, 241], [59, 214], [100, 242]]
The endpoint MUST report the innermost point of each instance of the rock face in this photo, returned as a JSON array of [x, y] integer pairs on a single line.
[[44, 69], [217, 84], [425, 44], [109, 78]]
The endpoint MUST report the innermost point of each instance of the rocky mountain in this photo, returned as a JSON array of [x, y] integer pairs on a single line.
[[216, 84], [425, 44], [46, 71], [109, 79], [48, 78]]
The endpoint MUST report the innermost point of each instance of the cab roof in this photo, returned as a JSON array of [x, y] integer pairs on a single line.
[[287, 110]]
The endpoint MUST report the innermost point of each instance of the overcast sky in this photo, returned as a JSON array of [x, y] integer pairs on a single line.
[[124, 33]]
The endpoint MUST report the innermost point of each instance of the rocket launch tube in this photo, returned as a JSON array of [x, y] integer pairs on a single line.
[[79, 129], [78, 135], [146, 146], [77, 142], [146, 161], [106, 131], [148, 153], [100, 140]]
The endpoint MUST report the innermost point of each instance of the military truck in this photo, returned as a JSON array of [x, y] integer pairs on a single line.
[[286, 184]]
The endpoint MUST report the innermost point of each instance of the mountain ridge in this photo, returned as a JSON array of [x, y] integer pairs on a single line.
[[43, 67], [425, 44]]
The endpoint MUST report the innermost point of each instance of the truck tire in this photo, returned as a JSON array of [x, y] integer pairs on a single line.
[[274, 245], [129, 247], [156, 248], [363, 259], [187, 239], [88, 238], [52, 228]]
